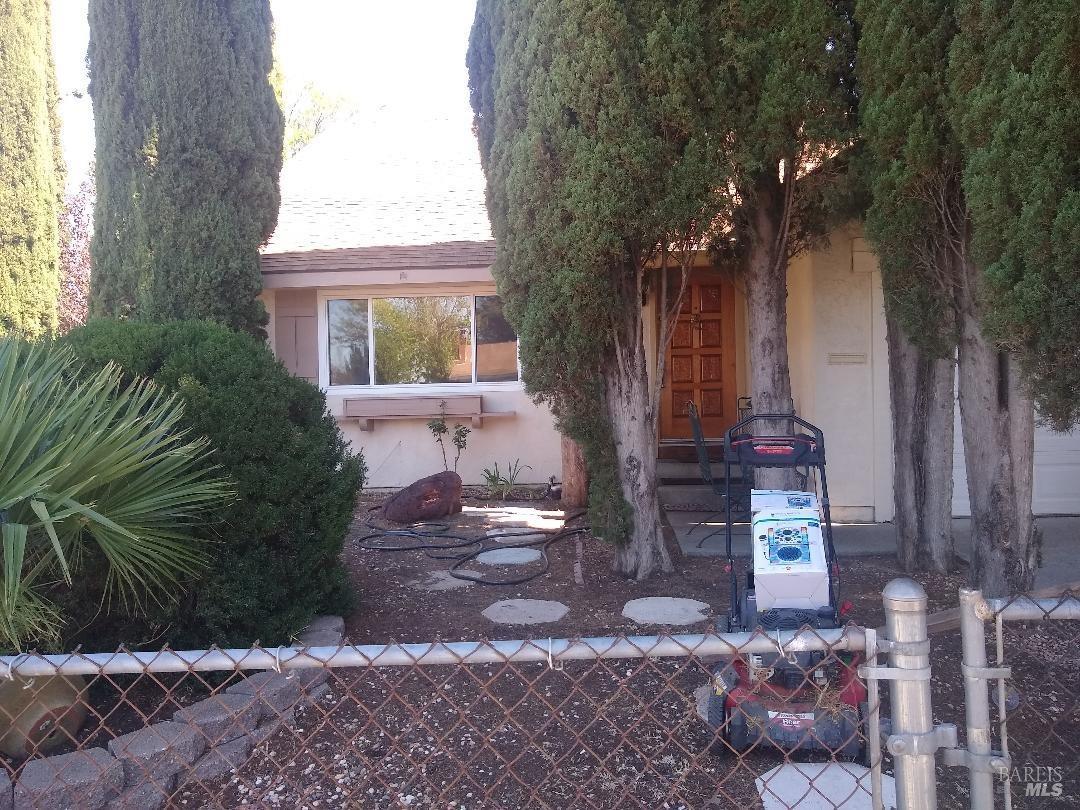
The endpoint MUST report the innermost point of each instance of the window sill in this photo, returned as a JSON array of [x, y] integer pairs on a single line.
[[367, 423], [458, 406]]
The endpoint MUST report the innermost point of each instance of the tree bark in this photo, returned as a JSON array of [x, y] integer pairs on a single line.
[[766, 295], [633, 427], [921, 390], [998, 419], [575, 476]]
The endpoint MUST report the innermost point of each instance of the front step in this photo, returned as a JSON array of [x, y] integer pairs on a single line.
[[689, 472], [680, 450], [687, 495]]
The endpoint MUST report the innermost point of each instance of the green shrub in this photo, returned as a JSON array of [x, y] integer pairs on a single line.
[[90, 465], [275, 550]]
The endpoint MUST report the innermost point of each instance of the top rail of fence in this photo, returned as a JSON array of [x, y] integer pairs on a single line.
[[30, 665], [1025, 608]]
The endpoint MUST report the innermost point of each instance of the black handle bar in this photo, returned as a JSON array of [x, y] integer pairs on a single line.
[[783, 450]]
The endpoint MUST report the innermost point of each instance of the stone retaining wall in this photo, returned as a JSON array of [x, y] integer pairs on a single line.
[[202, 742]]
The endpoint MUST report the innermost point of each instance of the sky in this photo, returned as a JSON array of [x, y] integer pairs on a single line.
[[399, 67]]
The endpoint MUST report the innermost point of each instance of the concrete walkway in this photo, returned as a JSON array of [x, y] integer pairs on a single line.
[[1060, 549]]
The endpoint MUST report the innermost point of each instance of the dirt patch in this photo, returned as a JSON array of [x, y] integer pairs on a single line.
[[391, 608], [609, 733], [1044, 728]]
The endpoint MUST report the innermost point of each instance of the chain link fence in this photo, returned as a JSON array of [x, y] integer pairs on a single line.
[[597, 723], [759, 720]]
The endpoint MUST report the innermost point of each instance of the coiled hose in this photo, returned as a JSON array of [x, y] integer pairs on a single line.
[[438, 542]]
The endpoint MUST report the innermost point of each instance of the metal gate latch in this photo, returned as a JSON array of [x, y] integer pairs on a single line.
[[928, 743], [995, 762]]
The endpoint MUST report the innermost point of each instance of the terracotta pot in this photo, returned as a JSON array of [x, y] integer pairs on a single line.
[[38, 715]]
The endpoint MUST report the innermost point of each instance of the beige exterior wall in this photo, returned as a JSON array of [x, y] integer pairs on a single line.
[[399, 451], [839, 367]]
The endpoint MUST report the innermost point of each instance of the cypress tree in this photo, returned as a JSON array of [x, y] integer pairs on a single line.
[[785, 79], [921, 222], [599, 141], [31, 171], [911, 161], [190, 147], [1015, 72], [609, 134]]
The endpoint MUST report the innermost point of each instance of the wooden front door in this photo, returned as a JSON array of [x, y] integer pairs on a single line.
[[701, 361]]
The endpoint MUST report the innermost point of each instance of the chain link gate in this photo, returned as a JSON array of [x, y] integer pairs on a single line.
[[1036, 764], [1033, 766]]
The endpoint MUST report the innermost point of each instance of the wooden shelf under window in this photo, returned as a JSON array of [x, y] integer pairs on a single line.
[[368, 410]]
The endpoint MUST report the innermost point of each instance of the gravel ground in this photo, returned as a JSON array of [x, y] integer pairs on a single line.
[[607, 734], [603, 734]]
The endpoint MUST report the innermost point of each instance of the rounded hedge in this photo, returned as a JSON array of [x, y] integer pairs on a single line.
[[276, 548]]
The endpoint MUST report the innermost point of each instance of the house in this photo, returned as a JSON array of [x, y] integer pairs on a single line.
[[379, 289]]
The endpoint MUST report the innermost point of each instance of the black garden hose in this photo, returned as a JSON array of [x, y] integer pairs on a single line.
[[438, 543]]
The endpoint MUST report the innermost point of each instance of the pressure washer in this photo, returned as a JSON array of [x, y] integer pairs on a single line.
[[787, 701]]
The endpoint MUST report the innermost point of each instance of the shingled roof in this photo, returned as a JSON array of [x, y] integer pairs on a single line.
[[391, 191], [383, 257]]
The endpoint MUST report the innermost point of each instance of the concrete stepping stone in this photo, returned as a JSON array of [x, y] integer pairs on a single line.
[[668, 610], [516, 536], [509, 556], [821, 785], [525, 611], [442, 580]]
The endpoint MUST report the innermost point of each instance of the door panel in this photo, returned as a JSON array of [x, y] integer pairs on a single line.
[[701, 360]]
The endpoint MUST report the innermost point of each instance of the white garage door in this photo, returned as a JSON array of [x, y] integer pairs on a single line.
[[1057, 473]]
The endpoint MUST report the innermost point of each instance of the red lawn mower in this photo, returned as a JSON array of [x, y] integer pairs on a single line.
[[786, 701]]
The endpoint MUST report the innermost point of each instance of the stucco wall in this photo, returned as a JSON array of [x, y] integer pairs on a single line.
[[401, 451], [398, 451]]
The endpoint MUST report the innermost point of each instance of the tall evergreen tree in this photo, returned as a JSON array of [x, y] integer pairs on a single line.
[[1015, 71], [600, 144], [785, 80], [615, 135], [31, 171], [921, 223], [189, 137], [912, 164]]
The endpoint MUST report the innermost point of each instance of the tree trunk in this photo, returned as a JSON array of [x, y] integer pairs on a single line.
[[634, 430], [575, 476], [921, 390], [998, 420], [766, 296]]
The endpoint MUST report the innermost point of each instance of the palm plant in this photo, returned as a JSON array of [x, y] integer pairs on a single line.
[[87, 459]]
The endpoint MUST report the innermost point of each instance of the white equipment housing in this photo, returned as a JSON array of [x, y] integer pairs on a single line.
[[761, 499], [790, 570]]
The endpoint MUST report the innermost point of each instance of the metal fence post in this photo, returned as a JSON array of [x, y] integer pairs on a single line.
[[976, 698], [909, 689]]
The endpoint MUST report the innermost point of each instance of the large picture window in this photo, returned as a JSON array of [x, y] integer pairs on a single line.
[[435, 339]]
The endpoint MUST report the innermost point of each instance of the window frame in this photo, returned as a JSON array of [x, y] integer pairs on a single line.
[[373, 389]]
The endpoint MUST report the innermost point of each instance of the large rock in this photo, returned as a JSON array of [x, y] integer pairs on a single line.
[[82, 780], [157, 753], [330, 624], [436, 496]]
